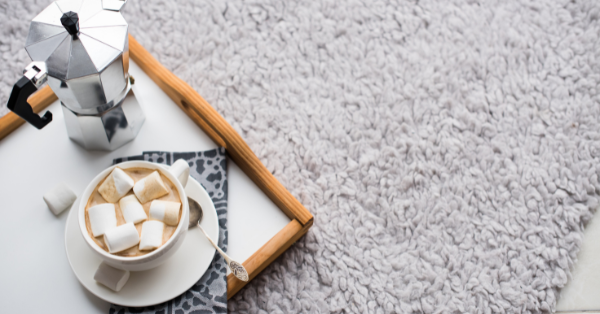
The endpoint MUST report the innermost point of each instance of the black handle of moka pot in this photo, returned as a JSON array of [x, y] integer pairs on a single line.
[[35, 76], [17, 103]]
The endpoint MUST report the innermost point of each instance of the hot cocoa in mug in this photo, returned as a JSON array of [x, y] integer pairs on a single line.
[[134, 215]]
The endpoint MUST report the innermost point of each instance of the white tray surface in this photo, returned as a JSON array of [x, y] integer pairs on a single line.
[[34, 270]]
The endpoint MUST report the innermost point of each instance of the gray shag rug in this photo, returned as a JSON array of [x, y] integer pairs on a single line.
[[448, 150]]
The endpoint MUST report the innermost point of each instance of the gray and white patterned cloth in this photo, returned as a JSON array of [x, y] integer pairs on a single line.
[[209, 294]]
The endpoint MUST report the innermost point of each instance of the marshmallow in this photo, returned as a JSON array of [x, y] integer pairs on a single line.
[[181, 170], [132, 209], [115, 186], [150, 187], [102, 218], [111, 277], [59, 198], [121, 238], [152, 235], [165, 211]]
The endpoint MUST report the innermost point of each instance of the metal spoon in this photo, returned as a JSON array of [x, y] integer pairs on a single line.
[[196, 215]]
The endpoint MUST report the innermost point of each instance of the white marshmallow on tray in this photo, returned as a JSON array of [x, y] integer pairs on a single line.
[[150, 187], [132, 209], [181, 170], [59, 198], [165, 211], [121, 238], [111, 277], [152, 234], [116, 185], [102, 218]]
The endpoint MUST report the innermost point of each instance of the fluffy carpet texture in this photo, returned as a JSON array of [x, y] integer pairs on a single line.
[[448, 150]]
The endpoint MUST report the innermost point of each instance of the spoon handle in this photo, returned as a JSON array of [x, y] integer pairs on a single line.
[[225, 256], [237, 269]]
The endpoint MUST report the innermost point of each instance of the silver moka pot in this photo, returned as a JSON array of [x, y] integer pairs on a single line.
[[81, 48]]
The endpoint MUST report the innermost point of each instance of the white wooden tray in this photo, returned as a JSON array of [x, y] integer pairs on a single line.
[[34, 270]]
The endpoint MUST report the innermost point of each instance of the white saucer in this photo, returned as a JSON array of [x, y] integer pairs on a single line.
[[157, 285]]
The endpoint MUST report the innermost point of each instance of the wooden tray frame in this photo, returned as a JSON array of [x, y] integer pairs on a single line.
[[222, 133]]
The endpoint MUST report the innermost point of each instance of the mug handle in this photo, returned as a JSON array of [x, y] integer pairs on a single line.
[[34, 76], [180, 169]]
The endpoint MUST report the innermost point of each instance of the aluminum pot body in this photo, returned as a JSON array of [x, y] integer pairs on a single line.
[[83, 49], [93, 93]]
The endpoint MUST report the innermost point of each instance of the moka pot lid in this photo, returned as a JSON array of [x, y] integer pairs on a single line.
[[77, 38]]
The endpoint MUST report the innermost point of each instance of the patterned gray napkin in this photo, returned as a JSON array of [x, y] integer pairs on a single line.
[[209, 294]]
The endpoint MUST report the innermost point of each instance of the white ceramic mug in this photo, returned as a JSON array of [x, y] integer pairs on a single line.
[[154, 258]]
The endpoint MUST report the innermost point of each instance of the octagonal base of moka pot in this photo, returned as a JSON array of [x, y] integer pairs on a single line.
[[107, 130]]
